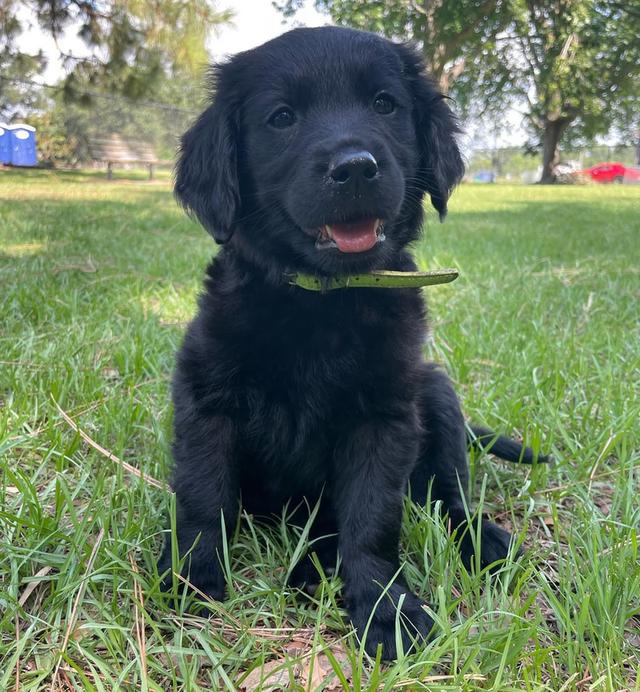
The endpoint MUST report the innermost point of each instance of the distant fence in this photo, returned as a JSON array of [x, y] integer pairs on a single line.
[[67, 127], [513, 164]]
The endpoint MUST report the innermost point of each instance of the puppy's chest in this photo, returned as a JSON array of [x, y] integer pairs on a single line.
[[314, 350], [313, 377], [312, 372]]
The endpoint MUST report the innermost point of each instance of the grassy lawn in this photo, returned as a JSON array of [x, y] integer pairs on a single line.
[[541, 334]]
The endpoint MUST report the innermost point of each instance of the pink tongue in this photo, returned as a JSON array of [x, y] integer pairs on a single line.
[[359, 236]]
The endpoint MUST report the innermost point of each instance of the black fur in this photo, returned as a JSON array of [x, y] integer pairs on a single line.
[[286, 395], [504, 447]]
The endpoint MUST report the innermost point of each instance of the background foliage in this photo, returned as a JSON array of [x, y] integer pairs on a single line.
[[571, 67]]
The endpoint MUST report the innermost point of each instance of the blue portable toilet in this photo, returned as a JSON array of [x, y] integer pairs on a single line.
[[5, 144], [23, 145]]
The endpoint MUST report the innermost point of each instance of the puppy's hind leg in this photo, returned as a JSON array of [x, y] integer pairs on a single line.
[[443, 461]]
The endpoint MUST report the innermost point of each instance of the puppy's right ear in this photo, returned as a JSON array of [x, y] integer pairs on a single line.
[[207, 170]]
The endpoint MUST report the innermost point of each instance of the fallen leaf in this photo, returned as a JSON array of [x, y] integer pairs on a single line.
[[313, 672], [323, 676], [110, 373], [32, 585], [316, 671], [273, 675]]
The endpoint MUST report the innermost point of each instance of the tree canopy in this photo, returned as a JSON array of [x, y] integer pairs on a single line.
[[446, 32], [132, 42], [141, 74], [14, 64]]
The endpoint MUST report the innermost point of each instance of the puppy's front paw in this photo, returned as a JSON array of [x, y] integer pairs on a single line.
[[305, 575], [204, 575], [495, 544], [412, 622]]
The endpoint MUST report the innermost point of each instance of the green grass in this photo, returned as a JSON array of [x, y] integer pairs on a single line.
[[540, 333]]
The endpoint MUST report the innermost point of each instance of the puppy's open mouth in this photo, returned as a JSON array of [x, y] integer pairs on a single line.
[[354, 236]]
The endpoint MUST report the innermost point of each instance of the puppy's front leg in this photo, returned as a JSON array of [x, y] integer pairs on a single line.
[[372, 468], [205, 483]]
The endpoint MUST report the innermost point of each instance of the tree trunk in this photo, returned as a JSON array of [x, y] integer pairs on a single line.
[[553, 130]]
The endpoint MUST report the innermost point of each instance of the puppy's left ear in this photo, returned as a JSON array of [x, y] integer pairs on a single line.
[[207, 182], [441, 167]]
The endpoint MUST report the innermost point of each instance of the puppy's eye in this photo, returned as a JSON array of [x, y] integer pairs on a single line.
[[384, 104], [283, 117]]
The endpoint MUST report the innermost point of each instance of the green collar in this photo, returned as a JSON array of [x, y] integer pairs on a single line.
[[374, 279]]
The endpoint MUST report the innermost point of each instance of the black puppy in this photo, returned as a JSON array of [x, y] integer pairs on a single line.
[[314, 157]]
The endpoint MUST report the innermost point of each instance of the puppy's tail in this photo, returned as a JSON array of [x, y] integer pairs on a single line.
[[503, 447]]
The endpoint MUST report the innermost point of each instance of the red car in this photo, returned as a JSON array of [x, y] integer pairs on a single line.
[[612, 173]]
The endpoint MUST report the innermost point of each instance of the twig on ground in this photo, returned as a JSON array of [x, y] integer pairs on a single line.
[[76, 605], [139, 618], [91, 406], [110, 455], [29, 589]]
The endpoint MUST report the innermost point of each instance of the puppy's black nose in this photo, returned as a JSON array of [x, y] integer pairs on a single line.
[[353, 166]]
